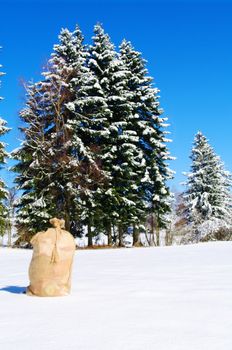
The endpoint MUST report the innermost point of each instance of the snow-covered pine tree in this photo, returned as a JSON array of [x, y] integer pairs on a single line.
[[33, 208], [3, 154], [150, 128], [207, 197], [65, 173], [90, 128], [122, 159], [49, 172]]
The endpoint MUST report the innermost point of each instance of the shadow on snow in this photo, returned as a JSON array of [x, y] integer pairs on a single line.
[[14, 289]]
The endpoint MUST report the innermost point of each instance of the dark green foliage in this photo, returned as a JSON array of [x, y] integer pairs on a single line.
[[94, 147]]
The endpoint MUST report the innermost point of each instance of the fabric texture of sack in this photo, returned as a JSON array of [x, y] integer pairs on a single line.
[[51, 265]]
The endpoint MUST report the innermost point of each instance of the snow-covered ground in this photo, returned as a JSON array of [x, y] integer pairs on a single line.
[[169, 298]]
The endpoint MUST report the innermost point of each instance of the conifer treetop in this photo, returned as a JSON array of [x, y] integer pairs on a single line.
[[207, 194]]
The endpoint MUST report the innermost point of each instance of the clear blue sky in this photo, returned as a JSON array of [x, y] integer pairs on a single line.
[[187, 44]]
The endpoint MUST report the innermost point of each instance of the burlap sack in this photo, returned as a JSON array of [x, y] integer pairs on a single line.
[[51, 264]]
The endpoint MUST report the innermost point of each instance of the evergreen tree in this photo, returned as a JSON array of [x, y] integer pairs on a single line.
[[207, 196], [150, 128], [34, 208], [49, 172], [90, 125], [122, 159], [65, 67]]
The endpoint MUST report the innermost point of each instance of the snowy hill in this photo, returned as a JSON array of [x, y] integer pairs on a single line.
[[170, 298]]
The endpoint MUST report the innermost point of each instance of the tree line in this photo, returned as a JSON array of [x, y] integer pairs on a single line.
[[94, 149]]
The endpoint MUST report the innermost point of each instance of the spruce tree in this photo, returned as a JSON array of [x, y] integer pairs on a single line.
[[122, 159], [90, 127], [65, 66], [48, 168], [151, 130], [33, 207], [207, 196]]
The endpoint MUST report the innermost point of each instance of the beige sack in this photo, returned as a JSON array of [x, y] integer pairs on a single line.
[[51, 264]]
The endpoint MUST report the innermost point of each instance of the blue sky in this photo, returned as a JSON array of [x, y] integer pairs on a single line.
[[187, 45]]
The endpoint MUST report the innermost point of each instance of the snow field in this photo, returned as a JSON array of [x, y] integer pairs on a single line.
[[169, 298]]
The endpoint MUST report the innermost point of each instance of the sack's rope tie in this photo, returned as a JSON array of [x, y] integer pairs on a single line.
[[55, 255]]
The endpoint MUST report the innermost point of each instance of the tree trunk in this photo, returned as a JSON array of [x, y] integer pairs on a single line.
[[157, 236], [152, 240], [114, 235], [120, 235], [136, 236], [90, 236], [67, 221], [67, 213], [109, 233], [157, 231], [9, 235], [168, 236]]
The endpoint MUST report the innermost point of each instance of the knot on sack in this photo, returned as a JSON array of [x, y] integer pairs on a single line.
[[58, 224]]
